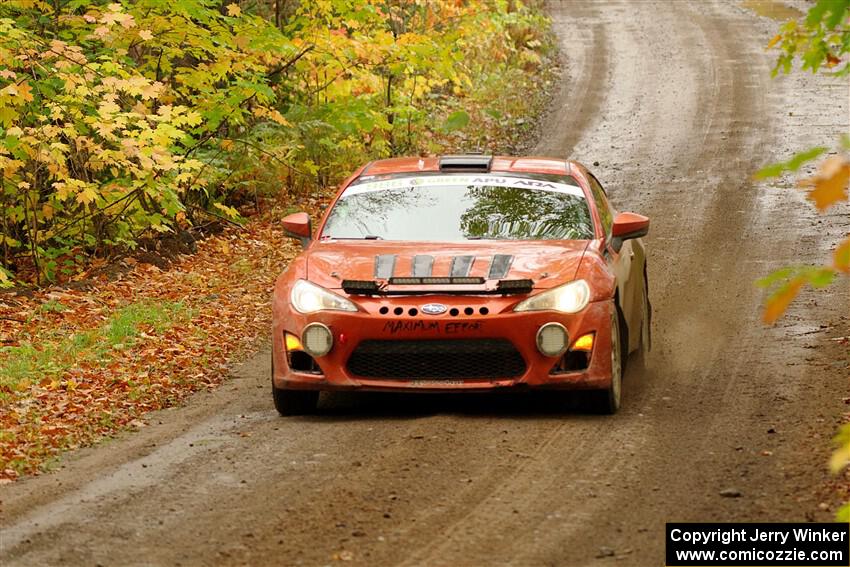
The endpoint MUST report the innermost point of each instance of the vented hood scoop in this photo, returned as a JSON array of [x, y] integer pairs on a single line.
[[467, 267], [475, 163]]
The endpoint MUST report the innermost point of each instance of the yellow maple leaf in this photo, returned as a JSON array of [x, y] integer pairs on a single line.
[[146, 34], [62, 190], [127, 21], [830, 184], [87, 195], [193, 118], [233, 10], [278, 117]]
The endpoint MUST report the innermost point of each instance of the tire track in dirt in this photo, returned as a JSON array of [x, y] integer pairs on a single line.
[[584, 60], [556, 506]]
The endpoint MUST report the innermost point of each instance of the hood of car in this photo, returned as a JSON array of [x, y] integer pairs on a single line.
[[546, 263]]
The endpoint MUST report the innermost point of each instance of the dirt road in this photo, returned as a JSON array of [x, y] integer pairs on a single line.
[[674, 101]]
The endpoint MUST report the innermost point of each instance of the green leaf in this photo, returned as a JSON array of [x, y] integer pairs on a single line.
[[793, 164], [837, 11], [6, 278], [777, 276], [821, 277], [456, 121]]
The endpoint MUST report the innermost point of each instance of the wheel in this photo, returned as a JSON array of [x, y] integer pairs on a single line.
[[646, 324], [293, 402], [608, 401], [645, 329]]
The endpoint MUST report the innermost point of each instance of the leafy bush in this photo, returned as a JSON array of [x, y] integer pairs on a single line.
[[122, 120]]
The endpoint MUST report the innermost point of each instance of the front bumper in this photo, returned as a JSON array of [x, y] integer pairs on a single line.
[[499, 322]]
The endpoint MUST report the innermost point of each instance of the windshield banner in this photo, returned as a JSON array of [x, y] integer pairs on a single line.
[[463, 181]]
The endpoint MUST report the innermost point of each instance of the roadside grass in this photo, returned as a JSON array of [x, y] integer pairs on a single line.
[[47, 359], [77, 366]]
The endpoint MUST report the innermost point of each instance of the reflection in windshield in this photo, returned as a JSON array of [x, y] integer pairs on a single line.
[[455, 213]]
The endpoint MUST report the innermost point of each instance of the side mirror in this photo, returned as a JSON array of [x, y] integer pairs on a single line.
[[298, 226], [626, 226]]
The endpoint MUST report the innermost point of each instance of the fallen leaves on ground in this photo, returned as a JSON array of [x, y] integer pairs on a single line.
[[225, 291]]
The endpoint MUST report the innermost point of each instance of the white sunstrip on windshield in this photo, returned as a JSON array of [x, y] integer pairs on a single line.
[[464, 181]]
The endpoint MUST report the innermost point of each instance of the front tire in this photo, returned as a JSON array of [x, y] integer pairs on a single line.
[[293, 402], [608, 401], [645, 329]]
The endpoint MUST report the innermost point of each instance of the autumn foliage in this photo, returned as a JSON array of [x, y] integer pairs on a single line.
[[123, 120], [819, 43]]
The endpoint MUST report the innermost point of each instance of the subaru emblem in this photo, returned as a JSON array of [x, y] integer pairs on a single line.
[[434, 308]]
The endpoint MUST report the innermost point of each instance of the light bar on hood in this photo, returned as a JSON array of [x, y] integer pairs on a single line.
[[370, 287], [515, 286], [437, 281], [362, 287]]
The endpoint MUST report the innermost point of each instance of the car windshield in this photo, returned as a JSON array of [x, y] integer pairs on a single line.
[[462, 207]]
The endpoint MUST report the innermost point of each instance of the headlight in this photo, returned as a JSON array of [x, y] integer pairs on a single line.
[[309, 298], [568, 298]]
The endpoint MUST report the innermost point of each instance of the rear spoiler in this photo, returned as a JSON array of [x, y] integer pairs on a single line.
[[376, 287]]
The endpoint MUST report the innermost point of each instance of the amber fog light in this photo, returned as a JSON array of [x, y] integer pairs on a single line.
[[292, 343], [317, 339], [552, 339], [584, 343]]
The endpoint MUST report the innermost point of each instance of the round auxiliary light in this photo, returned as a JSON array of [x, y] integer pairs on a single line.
[[552, 339], [317, 339]]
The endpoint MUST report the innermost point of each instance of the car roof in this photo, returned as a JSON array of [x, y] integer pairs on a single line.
[[531, 164]]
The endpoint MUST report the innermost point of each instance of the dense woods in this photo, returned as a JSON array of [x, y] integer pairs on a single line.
[[120, 121]]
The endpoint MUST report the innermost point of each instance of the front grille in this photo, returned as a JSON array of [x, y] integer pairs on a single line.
[[436, 359]]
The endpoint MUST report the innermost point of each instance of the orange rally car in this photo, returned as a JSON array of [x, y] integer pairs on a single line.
[[462, 273]]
